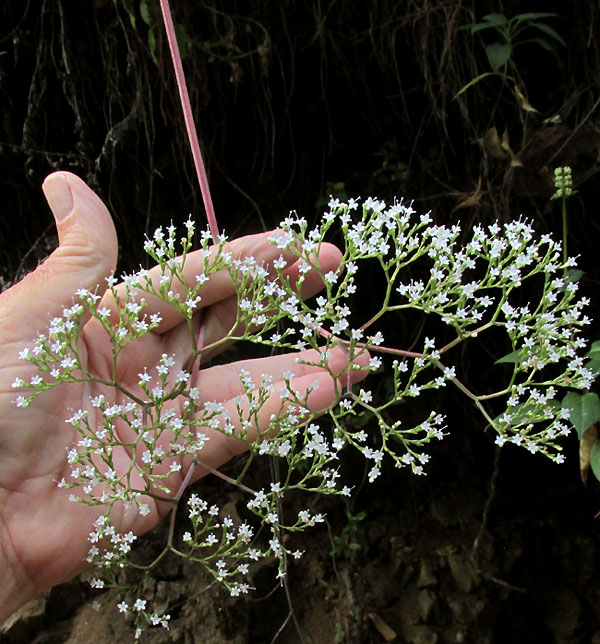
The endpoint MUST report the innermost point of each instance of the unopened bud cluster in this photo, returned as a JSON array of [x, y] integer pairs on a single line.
[[563, 183]]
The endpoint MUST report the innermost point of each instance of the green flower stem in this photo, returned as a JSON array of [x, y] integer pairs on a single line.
[[564, 233], [475, 399], [242, 474], [385, 307]]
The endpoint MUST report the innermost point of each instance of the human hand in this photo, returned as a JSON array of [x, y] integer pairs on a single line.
[[43, 536]]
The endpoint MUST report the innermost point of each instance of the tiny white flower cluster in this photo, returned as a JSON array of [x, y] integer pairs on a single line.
[[139, 610], [500, 278], [54, 354], [171, 285], [219, 539], [471, 285], [112, 555]]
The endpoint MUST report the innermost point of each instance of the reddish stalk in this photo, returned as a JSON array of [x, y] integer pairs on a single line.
[[189, 119], [200, 344], [192, 133]]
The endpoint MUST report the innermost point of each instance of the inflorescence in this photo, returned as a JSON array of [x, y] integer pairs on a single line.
[[498, 278]]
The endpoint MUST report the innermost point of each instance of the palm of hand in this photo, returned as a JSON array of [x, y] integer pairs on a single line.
[[43, 536]]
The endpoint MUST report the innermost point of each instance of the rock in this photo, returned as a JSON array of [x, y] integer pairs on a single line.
[[23, 625], [426, 575], [462, 572], [563, 612], [417, 634]]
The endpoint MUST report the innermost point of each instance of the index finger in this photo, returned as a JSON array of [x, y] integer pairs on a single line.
[[219, 286]]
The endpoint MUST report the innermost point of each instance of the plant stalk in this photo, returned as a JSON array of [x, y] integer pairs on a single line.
[[189, 120]]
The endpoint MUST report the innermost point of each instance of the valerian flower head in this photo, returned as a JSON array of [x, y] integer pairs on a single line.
[[495, 280]]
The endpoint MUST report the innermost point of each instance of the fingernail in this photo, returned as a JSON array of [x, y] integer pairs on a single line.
[[59, 195]]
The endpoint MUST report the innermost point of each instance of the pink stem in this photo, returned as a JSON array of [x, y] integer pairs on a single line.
[[178, 496], [189, 119], [192, 133], [200, 343]]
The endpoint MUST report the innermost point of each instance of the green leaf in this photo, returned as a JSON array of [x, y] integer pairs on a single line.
[[145, 12], [543, 43], [594, 365], [481, 26], [152, 44], [594, 355], [495, 19], [595, 459], [512, 358], [527, 413], [491, 21], [585, 410], [527, 17], [574, 274], [183, 40], [131, 13], [498, 54], [474, 81], [549, 31], [594, 352]]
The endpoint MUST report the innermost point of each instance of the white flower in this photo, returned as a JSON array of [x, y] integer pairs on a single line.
[[377, 339], [365, 396], [280, 263], [375, 362], [282, 239], [331, 277]]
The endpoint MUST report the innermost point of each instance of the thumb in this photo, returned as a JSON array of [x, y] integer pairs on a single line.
[[87, 253]]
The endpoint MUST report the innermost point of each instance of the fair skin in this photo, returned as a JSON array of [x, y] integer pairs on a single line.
[[44, 536]]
